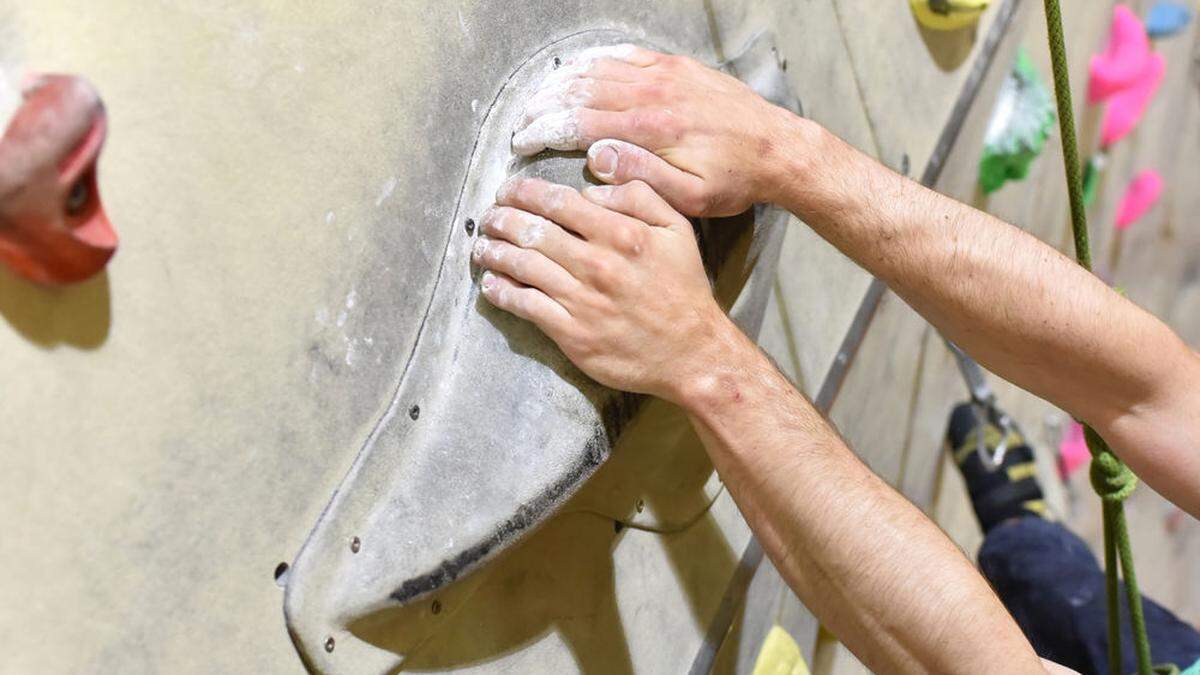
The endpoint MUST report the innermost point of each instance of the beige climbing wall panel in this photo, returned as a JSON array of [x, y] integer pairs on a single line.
[[173, 429]]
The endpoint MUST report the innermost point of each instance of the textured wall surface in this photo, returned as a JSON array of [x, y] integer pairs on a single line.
[[172, 430]]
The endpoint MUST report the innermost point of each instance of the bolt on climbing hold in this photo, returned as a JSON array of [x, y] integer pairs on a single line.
[[414, 412], [329, 644], [355, 545]]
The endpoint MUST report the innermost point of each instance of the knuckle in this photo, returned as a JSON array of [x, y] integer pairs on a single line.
[[577, 343], [518, 262], [678, 62], [490, 222], [493, 255], [697, 202], [518, 190], [518, 301], [635, 242], [580, 91], [670, 124], [640, 191], [655, 91], [647, 120], [560, 199], [625, 240], [600, 271]]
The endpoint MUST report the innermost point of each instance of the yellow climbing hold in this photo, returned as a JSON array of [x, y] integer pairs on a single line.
[[948, 14], [780, 655]]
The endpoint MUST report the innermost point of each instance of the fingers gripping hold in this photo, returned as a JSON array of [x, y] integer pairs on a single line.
[[557, 114], [535, 232], [528, 303], [558, 203], [524, 265], [639, 201], [559, 130], [618, 162], [576, 129]]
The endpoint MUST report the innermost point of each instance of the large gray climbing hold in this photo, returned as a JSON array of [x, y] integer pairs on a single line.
[[491, 428]]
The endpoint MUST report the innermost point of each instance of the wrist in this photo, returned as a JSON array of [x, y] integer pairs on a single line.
[[795, 142], [816, 173], [715, 368]]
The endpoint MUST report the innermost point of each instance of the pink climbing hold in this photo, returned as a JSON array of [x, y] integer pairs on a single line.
[[1140, 197], [1073, 451], [1125, 59], [1127, 75], [1126, 107]]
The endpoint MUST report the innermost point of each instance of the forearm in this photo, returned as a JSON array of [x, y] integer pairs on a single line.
[[870, 566], [1022, 309]]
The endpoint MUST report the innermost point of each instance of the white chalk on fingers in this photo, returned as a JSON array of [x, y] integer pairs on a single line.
[[556, 131], [622, 52], [556, 97], [601, 194], [532, 235]]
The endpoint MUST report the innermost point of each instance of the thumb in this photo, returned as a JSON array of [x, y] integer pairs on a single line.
[[617, 162]]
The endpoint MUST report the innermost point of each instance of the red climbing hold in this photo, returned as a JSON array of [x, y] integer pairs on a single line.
[[53, 229]]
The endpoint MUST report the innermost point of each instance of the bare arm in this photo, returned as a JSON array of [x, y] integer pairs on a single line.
[[869, 564], [613, 276], [711, 146], [1022, 309]]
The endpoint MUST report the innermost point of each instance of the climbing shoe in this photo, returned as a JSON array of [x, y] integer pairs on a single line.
[[1002, 490]]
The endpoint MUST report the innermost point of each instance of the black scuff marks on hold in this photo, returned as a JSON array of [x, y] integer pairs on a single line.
[[616, 413], [527, 515]]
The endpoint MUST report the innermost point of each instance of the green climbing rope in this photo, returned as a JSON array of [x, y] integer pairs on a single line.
[[1112, 480]]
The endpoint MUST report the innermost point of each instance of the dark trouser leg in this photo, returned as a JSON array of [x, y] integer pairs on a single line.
[[1052, 585]]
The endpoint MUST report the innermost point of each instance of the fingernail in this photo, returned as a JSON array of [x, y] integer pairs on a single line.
[[487, 282], [479, 248], [603, 160]]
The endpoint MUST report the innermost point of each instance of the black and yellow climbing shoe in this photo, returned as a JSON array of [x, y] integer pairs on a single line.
[[1001, 487]]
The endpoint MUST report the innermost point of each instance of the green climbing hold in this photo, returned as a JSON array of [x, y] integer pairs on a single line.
[[1019, 127]]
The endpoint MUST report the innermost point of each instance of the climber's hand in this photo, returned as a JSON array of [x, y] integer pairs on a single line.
[[612, 275], [702, 139]]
